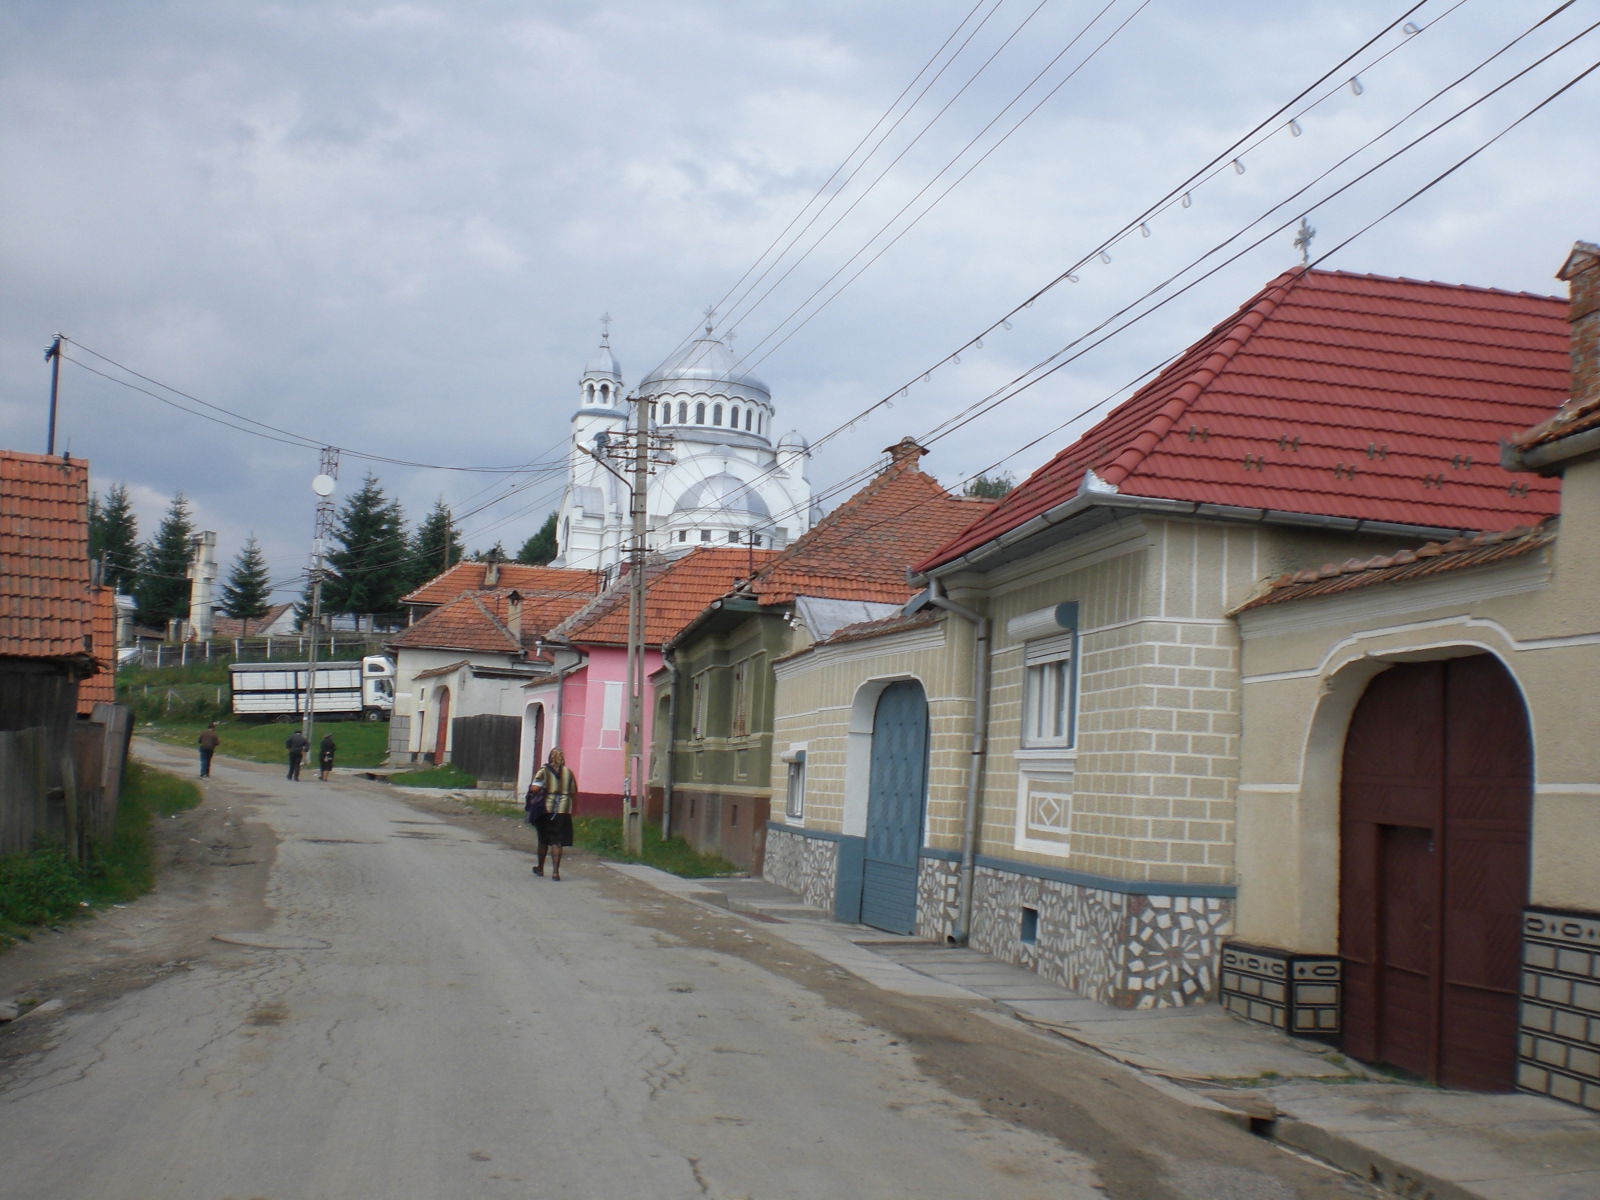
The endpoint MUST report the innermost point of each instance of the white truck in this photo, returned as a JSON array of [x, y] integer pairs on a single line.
[[344, 690]]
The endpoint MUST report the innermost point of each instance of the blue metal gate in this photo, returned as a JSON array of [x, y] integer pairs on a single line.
[[895, 800]]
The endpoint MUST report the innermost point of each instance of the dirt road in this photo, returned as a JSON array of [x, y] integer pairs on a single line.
[[339, 993]]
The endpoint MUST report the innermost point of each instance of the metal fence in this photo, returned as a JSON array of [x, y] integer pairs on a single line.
[[276, 648]]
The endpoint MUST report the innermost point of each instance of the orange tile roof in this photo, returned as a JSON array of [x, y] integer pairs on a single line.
[[676, 592], [1332, 394], [479, 621], [45, 609], [467, 577], [860, 551], [1435, 558], [234, 627], [101, 687]]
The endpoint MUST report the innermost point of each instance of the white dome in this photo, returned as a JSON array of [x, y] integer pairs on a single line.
[[705, 367], [726, 494], [602, 363]]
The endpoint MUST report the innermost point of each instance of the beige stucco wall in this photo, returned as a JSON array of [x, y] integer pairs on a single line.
[[1307, 663]]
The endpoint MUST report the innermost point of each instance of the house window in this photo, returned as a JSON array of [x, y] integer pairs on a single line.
[[1050, 680], [740, 699], [794, 801], [699, 703]]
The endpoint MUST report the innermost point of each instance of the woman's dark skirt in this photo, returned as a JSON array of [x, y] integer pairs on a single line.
[[555, 829]]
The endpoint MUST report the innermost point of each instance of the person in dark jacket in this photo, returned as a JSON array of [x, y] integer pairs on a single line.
[[325, 757], [208, 746], [296, 744]]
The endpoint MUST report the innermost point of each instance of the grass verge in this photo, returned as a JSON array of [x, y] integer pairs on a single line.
[[46, 887], [603, 836], [447, 776]]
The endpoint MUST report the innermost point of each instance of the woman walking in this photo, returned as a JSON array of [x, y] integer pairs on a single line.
[[549, 803], [325, 759]]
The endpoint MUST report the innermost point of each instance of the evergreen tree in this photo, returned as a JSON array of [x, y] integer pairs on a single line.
[[162, 589], [114, 537], [246, 594], [368, 572], [541, 547], [436, 546], [495, 553], [989, 487]]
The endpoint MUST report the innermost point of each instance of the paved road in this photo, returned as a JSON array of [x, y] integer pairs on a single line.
[[415, 1015]]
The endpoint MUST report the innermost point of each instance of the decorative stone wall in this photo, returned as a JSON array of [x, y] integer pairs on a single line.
[[1124, 950], [938, 898], [807, 866], [1559, 1040], [1293, 993]]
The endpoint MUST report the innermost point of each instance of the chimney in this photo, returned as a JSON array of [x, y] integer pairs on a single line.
[[491, 570], [1581, 272], [514, 615], [905, 452]]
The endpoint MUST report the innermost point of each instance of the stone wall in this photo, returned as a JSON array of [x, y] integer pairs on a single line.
[[1559, 1040], [806, 866]]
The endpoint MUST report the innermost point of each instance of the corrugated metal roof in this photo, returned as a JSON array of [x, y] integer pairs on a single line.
[[1331, 394]]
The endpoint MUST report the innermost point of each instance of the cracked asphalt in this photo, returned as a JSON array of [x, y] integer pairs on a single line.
[[339, 993]]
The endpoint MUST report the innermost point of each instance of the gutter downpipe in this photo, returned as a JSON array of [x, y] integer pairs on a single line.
[[672, 729], [976, 752]]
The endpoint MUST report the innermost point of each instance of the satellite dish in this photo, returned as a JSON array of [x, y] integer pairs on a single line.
[[322, 485]]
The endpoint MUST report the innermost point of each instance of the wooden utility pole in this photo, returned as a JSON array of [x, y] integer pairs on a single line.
[[53, 357]]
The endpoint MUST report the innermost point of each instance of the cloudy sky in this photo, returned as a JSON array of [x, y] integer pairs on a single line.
[[393, 227]]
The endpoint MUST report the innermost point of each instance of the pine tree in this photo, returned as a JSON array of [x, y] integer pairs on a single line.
[[541, 547], [246, 594], [114, 537], [368, 572], [436, 546], [162, 589]]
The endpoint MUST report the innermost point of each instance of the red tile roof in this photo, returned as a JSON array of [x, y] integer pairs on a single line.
[[1333, 394], [1435, 558], [234, 627], [101, 687], [860, 551], [479, 621], [467, 577], [676, 592], [45, 609]]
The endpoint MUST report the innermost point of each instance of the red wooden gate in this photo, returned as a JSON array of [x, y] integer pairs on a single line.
[[442, 732], [1434, 824]]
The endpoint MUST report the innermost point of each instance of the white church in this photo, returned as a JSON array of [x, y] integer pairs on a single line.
[[723, 482]]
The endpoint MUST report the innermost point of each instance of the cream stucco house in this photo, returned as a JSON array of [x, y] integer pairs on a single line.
[[1042, 755], [1419, 788]]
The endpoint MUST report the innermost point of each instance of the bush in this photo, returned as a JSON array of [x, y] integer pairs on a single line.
[[39, 887]]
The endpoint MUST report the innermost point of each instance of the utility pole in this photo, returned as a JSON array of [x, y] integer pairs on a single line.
[[633, 812], [323, 486], [53, 357]]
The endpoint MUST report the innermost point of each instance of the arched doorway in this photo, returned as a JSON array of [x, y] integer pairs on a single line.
[[896, 797], [1435, 806], [441, 738]]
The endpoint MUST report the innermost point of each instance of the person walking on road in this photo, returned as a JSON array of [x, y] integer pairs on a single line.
[[325, 757], [208, 746], [553, 790], [296, 745]]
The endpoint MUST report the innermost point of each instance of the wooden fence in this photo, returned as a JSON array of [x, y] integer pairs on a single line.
[[63, 793], [486, 747]]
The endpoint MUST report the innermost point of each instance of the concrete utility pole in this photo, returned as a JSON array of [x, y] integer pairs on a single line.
[[323, 486], [633, 812], [53, 357]]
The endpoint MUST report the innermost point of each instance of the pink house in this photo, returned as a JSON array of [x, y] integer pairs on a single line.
[[582, 705]]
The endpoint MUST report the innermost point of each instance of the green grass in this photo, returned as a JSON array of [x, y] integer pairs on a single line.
[[45, 886], [603, 836], [447, 776], [361, 743]]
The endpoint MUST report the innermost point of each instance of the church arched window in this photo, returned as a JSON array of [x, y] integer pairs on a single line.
[[700, 413], [588, 393], [683, 412], [716, 414], [605, 393], [734, 417], [749, 415]]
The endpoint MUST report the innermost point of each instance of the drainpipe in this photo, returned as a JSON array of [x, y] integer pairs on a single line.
[[980, 740], [672, 728]]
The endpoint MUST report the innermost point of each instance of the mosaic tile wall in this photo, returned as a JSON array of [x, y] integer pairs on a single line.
[[806, 866], [1559, 1040], [1294, 993], [1127, 951], [938, 898]]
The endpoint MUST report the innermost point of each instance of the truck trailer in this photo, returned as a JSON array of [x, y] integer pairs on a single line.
[[344, 690]]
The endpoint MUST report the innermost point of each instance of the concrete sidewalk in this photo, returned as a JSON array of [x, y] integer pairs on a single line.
[[1410, 1139]]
